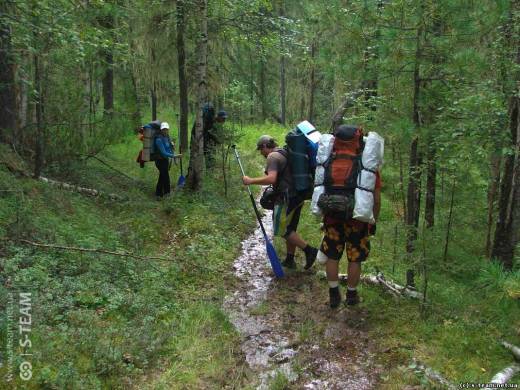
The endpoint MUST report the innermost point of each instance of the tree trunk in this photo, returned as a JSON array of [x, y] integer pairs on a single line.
[[194, 179], [252, 86], [450, 219], [506, 232], [153, 98], [414, 181], [136, 115], [263, 98], [431, 179], [153, 90], [7, 79], [92, 101], [312, 83], [108, 77], [183, 82], [283, 91], [494, 182], [23, 110], [413, 195], [40, 134]]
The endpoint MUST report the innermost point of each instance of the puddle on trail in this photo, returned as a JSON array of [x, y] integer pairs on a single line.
[[266, 349], [342, 359]]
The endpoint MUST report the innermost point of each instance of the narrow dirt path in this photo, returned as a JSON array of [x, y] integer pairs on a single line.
[[288, 328]]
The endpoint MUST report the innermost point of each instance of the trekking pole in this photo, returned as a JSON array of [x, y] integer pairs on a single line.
[[271, 252]]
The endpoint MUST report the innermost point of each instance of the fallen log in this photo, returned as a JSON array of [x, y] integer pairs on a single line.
[[432, 375], [505, 375], [90, 250], [513, 348], [79, 189], [394, 288]]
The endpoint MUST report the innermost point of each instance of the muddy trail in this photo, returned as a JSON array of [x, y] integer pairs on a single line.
[[288, 328]]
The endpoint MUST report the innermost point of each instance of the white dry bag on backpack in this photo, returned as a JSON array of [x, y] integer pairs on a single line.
[[324, 150], [372, 159]]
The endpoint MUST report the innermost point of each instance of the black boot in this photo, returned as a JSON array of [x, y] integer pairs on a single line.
[[334, 297], [310, 256], [289, 261], [352, 298]]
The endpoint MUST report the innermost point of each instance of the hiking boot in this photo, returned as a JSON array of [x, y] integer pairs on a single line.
[[352, 298], [310, 257], [334, 297], [289, 263]]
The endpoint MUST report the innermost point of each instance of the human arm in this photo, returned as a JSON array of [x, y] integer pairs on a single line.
[[270, 178], [162, 149]]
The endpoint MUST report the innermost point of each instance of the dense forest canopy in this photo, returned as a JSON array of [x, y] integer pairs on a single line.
[[440, 78]]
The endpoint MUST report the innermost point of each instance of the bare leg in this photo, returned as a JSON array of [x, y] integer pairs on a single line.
[[332, 268], [354, 272], [294, 240]]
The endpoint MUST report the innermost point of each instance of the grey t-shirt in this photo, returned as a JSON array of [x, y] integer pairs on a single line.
[[276, 161]]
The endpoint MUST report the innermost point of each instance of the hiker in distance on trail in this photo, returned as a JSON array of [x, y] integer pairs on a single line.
[[212, 129], [288, 202], [347, 194], [157, 147], [163, 152]]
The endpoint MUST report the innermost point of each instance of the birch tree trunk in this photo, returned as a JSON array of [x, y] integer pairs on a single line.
[[195, 170]]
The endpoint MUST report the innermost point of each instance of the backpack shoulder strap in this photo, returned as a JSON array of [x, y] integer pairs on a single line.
[[284, 153]]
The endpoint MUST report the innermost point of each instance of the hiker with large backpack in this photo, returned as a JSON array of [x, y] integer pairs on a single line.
[[157, 147], [211, 131], [162, 153], [287, 202], [342, 226]]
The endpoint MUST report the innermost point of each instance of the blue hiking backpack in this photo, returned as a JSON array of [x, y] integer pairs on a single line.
[[302, 147]]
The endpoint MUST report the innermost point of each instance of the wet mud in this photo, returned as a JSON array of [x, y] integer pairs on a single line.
[[288, 328]]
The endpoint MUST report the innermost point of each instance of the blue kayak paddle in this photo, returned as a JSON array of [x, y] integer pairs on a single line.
[[271, 252]]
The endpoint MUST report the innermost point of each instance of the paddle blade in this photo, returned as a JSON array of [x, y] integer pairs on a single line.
[[273, 258], [181, 181]]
